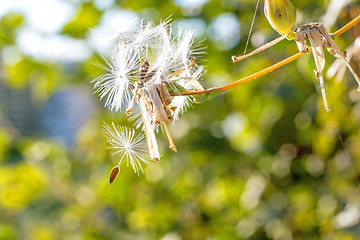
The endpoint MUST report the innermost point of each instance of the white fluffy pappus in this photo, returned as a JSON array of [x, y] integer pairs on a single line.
[[146, 61], [127, 144], [115, 82]]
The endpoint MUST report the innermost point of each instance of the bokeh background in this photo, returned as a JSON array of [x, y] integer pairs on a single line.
[[261, 161]]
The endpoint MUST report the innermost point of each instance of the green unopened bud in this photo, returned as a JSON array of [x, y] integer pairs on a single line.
[[281, 15]]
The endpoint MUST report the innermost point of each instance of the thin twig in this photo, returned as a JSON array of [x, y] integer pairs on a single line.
[[262, 72], [193, 62], [262, 48], [245, 79], [171, 142]]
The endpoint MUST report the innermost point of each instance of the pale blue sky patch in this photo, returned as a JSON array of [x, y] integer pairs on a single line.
[[225, 31], [196, 24], [52, 47], [190, 3], [112, 23], [234, 124], [104, 4], [47, 16]]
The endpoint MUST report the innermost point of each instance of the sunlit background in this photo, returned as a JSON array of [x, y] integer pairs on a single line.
[[262, 161]]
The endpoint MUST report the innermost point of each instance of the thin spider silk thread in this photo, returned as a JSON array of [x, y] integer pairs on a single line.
[[352, 165], [252, 25]]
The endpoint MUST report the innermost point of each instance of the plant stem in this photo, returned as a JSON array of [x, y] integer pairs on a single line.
[[347, 26], [261, 72], [268, 69], [262, 48], [245, 79], [171, 142]]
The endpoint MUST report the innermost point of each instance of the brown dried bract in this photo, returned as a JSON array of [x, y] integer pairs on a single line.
[[318, 37], [154, 101]]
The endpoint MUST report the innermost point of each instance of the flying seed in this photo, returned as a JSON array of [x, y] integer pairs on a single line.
[[114, 173]]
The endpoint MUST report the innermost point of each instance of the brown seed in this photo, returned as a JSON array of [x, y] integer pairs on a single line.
[[144, 69], [113, 174]]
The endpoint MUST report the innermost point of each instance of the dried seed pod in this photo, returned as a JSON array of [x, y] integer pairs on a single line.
[[281, 15], [165, 95], [149, 131], [159, 105], [300, 37], [114, 173]]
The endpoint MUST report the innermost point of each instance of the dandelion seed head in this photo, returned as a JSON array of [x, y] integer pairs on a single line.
[[164, 64], [181, 103], [143, 36], [165, 53], [184, 45], [145, 59], [114, 84], [127, 145]]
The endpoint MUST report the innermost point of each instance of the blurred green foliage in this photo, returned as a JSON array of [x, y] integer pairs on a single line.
[[86, 18], [8, 25], [262, 161]]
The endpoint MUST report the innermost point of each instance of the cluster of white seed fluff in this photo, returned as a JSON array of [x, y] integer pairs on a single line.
[[149, 65]]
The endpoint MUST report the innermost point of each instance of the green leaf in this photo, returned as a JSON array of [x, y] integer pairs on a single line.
[[206, 97], [176, 88], [201, 98], [213, 94]]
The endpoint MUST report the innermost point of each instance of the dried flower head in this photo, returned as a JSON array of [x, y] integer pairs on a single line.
[[319, 38], [119, 75], [338, 67], [147, 62]]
